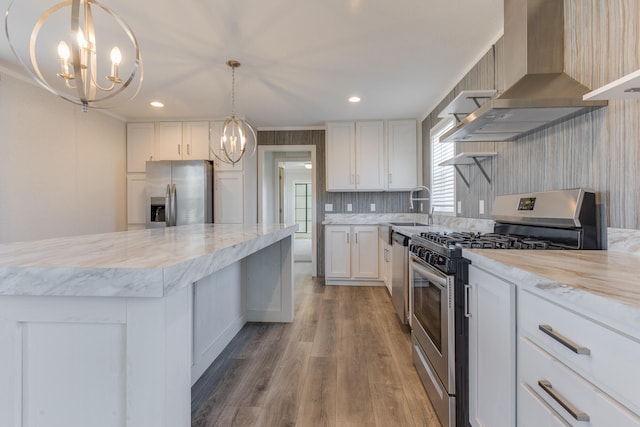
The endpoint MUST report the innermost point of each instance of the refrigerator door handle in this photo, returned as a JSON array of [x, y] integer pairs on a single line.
[[174, 205], [167, 206]]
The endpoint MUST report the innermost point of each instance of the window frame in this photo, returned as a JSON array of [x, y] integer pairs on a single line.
[[435, 133]]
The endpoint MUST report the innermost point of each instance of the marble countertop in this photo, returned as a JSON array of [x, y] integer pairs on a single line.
[[140, 263], [602, 285]]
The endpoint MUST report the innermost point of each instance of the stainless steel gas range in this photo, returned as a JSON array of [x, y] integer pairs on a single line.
[[438, 274]]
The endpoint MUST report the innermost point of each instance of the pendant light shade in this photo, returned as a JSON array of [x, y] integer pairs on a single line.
[[238, 136], [95, 60]]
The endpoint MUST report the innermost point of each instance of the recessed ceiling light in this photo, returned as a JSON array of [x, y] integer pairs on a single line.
[[156, 104], [354, 99]]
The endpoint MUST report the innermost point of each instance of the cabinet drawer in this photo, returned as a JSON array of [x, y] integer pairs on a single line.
[[538, 369], [533, 412], [611, 360]]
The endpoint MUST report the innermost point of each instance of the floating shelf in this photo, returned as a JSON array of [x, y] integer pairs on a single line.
[[466, 103], [469, 159], [626, 87]]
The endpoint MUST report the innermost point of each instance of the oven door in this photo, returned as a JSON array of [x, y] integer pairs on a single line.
[[433, 319]]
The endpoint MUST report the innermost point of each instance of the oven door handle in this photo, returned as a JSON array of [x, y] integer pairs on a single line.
[[467, 290], [437, 278]]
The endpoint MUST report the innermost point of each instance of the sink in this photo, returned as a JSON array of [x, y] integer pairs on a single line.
[[409, 224]]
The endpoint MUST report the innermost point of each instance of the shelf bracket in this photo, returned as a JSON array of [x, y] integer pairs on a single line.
[[475, 159], [462, 176], [459, 116], [469, 159]]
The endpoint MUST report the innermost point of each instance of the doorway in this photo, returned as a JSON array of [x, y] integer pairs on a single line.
[[287, 194]]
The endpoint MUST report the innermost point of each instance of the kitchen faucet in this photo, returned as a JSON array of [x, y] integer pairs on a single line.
[[412, 199]]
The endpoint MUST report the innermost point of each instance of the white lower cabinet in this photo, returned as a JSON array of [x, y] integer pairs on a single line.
[[534, 412], [571, 370], [384, 267], [586, 373], [351, 252], [492, 350]]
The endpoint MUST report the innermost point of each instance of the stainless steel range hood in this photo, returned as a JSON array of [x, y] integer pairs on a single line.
[[539, 92]]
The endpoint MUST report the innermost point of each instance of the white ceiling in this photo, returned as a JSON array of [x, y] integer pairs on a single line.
[[301, 59]]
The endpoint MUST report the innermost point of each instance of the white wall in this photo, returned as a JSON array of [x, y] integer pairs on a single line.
[[62, 172]]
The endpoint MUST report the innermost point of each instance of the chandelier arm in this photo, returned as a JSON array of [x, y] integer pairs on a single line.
[[78, 53], [36, 74], [137, 65]]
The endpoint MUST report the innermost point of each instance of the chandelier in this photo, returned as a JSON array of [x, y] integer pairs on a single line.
[[238, 136], [84, 74]]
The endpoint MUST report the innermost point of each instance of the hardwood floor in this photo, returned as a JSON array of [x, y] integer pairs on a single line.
[[344, 361]]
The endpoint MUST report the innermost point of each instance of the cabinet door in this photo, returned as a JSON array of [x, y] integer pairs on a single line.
[[370, 156], [136, 199], [140, 137], [169, 141], [216, 134], [195, 142], [337, 252], [492, 351], [402, 155], [341, 155], [228, 205], [364, 253]]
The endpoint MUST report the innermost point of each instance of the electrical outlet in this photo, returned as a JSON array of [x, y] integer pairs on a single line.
[[481, 207], [349, 207], [328, 207], [459, 207], [373, 207]]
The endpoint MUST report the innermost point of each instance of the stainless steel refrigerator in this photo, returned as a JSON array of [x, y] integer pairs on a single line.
[[179, 192]]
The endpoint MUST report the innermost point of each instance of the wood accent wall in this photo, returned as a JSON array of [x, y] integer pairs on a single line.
[[599, 150], [386, 202]]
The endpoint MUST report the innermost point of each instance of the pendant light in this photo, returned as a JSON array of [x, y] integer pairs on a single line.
[[238, 136], [85, 76]]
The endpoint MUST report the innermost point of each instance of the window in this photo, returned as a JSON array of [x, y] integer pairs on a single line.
[[303, 207], [443, 179]]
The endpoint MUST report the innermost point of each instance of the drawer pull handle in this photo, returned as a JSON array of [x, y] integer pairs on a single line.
[[547, 329], [577, 414]]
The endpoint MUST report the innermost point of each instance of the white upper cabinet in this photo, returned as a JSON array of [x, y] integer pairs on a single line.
[[402, 155], [140, 138], [360, 157], [341, 156], [169, 141], [182, 141], [370, 156], [195, 141]]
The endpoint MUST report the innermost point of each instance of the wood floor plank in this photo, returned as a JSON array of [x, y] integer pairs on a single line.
[[318, 403], [285, 393], [238, 417], [344, 361]]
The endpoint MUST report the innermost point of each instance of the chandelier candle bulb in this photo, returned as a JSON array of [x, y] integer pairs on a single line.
[[64, 54], [80, 61], [116, 57]]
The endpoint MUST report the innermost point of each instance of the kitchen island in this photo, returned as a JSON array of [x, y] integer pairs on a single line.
[[113, 329]]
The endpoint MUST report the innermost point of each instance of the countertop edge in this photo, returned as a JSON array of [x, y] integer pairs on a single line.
[[607, 311]]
